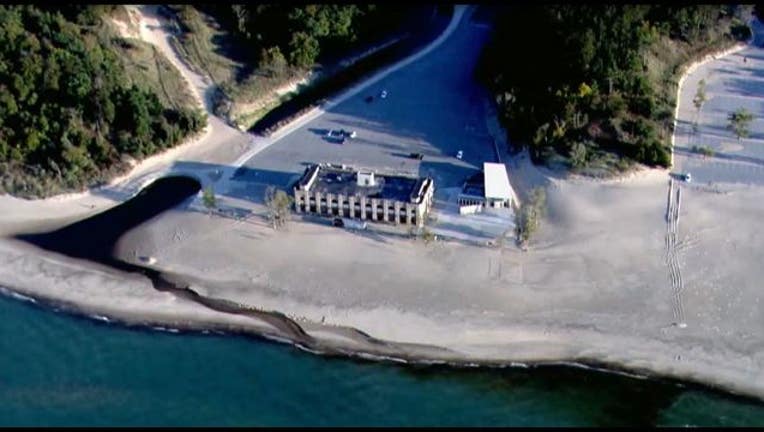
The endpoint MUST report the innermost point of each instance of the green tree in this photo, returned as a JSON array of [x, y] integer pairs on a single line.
[[528, 216], [303, 50], [700, 95], [279, 205], [272, 62], [739, 122]]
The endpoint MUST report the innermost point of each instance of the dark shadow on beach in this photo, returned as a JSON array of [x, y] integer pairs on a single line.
[[94, 238]]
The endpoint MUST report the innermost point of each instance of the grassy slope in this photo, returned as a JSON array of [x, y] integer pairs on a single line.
[[146, 67], [198, 46], [252, 95]]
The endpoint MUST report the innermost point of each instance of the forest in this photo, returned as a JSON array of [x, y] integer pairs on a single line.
[[278, 36], [594, 86], [67, 119]]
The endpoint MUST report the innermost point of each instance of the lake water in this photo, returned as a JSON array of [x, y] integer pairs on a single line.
[[59, 369]]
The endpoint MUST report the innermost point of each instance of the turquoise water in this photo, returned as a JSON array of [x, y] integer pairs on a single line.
[[58, 369]]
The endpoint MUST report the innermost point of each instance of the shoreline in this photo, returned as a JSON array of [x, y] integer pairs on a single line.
[[180, 328], [333, 341]]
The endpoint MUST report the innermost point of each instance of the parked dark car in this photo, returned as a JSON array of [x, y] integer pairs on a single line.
[[347, 134], [419, 156], [336, 136], [369, 99], [338, 222]]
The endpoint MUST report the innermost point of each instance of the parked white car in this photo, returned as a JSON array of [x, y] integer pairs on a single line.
[[383, 94], [459, 155]]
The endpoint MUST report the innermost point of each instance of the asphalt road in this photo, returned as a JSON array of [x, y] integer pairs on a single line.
[[433, 106]]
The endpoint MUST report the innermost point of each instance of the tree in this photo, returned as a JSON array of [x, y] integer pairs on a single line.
[[272, 62], [698, 100], [528, 216], [739, 122], [700, 95], [279, 205], [303, 50], [209, 199]]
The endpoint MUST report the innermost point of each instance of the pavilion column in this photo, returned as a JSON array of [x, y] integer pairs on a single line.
[[351, 206], [410, 212], [374, 208], [340, 204], [297, 200]]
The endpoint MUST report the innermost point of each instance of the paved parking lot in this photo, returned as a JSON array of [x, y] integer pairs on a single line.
[[732, 82], [433, 106]]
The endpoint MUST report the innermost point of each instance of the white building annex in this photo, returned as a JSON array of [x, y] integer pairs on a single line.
[[491, 188]]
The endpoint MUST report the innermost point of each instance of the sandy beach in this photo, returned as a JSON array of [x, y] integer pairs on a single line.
[[608, 280]]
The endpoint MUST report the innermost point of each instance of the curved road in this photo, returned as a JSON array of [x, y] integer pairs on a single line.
[[213, 157], [216, 157]]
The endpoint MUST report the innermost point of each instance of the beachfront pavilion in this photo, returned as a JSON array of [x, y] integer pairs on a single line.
[[340, 190], [490, 188]]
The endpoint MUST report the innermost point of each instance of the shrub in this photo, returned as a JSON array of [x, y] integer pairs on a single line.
[[209, 199], [653, 153], [704, 150], [643, 105], [739, 121], [613, 105], [578, 155]]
